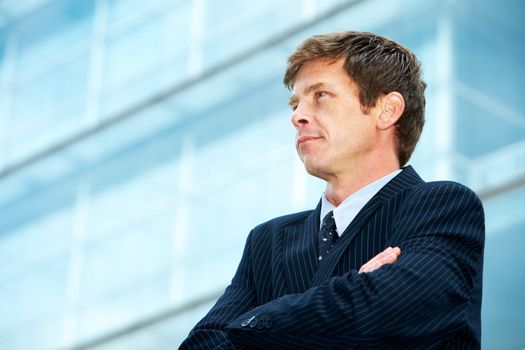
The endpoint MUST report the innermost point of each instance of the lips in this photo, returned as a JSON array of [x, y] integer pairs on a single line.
[[305, 139]]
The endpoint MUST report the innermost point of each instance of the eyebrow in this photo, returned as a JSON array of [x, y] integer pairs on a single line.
[[307, 90]]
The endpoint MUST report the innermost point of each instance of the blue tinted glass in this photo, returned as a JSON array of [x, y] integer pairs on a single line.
[[179, 141], [504, 281]]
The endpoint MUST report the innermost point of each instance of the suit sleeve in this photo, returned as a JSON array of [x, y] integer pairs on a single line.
[[427, 292], [238, 298]]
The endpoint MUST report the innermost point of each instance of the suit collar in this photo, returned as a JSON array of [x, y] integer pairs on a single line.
[[406, 179], [347, 210]]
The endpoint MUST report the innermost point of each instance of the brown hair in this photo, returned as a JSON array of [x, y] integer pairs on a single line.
[[378, 66]]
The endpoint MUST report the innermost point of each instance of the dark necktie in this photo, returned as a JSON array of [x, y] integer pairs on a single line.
[[327, 235]]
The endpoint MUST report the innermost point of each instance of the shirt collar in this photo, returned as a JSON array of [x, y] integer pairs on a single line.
[[350, 207]]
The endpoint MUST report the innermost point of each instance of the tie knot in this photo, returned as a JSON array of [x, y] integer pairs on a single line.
[[329, 222]]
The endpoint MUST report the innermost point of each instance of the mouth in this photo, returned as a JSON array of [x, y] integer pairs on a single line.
[[305, 139]]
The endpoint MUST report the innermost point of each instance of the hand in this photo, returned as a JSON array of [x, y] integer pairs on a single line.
[[387, 256]]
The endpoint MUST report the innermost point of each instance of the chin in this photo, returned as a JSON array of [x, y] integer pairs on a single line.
[[314, 168]]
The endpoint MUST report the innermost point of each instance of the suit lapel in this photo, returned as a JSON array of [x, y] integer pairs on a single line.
[[300, 252], [407, 178]]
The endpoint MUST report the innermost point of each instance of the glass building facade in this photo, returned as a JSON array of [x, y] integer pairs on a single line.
[[141, 140]]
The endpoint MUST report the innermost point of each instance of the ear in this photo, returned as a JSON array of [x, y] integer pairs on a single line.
[[392, 107]]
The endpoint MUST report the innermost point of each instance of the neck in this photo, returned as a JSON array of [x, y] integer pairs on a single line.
[[339, 187]]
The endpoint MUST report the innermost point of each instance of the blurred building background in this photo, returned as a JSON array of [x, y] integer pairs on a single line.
[[141, 140]]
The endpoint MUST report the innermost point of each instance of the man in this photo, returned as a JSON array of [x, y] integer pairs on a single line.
[[386, 260]]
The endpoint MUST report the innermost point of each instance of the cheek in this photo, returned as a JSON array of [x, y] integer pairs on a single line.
[[355, 135]]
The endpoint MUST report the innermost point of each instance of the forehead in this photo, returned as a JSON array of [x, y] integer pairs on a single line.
[[321, 72], [328, 69]]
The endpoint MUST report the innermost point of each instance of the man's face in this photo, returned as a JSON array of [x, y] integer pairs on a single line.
[[333, 134]]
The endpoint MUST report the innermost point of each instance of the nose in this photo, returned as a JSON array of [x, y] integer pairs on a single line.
[[300, 117]]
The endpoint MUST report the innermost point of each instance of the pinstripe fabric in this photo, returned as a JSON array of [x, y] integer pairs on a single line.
[[429, 299]]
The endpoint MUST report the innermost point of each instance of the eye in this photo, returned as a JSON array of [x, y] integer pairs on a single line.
[[293, 107], [320, 94]]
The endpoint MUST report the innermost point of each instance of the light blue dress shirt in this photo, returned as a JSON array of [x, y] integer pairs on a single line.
[[350, 207]]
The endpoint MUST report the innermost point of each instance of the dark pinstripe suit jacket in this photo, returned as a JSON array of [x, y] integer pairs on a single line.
[[282, 297]]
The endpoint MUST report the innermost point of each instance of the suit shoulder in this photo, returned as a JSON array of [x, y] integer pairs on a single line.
[[443, 186], [445, 189], [281, 222]]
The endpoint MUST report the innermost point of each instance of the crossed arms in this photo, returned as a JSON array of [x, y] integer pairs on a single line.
[[424, 294]]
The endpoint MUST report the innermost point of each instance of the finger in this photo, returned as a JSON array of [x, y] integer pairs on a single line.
[[388, 256], [383, 253], [375, 263], [371, 266]]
